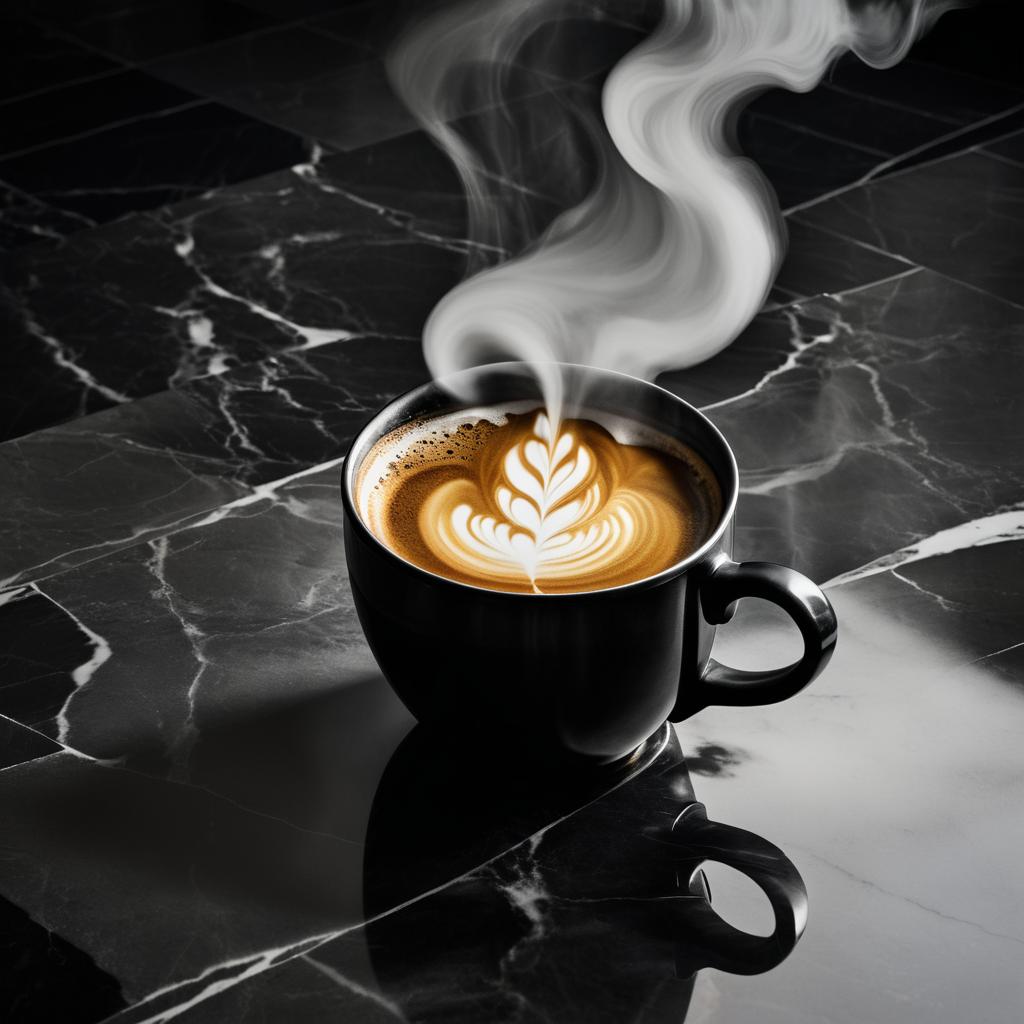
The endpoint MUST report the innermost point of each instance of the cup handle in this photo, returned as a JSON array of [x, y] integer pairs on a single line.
[[710, 941], [808, 607]]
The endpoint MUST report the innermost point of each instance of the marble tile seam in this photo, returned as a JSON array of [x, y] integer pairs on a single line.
[[975, 287], [872, 175], [64, 747], [56, 30], [995, 654], [86, 222], [34, 760], [83, 673], [80, 675], [1008, 134], [37, 573], [884, 102], [189, 190], [263, 960], [1005, 525], [964, 76], [35, 732], [33, 576], [898, 256], [197, 101], [977, 136], [835, 139], [321, 339], [316, 23], [858, 243], [966, 79], [29, 728], [550, 83], [1001, 157], [42, 91], [235, 98], [912, 268], [117, 765], [62, 750]]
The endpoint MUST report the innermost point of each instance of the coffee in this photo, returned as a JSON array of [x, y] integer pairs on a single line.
[[497, 499]]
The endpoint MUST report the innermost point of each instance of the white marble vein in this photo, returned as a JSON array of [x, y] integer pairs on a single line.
[[66, 359], [260, 492], [875, 378], [311, 337], [778, 479], [201, 333], [81, 674], [527, 892], [528, 895], [943, 602], [800, 343], [997, 528], [398, 218], [168, 596], [209, 985], [264, 492]]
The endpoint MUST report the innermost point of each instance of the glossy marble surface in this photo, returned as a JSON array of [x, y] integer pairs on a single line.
[[213, 807]]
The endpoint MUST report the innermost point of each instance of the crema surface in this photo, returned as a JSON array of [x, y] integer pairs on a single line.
[[503, 502]]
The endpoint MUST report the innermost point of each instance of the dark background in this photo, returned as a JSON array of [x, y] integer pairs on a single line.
[[108, 107]]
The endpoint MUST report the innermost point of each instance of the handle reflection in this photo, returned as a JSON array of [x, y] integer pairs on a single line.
[[553, 894]]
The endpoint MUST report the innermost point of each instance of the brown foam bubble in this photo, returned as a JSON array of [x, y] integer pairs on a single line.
[[444, 495]]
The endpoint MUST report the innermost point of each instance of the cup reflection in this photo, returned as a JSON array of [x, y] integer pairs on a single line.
[[577, 894]]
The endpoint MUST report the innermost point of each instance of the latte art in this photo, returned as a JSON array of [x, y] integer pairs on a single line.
[[555, 522], [514, 506]]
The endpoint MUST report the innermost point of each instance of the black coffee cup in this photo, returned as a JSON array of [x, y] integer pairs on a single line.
[[589, 674]]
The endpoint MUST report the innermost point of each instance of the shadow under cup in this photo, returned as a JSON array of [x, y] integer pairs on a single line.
[[590, 674]]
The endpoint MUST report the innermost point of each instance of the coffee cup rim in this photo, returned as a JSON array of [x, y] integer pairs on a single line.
[[711, 543]]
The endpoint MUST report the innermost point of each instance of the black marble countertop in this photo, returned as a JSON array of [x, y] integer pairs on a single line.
[[193, 732]]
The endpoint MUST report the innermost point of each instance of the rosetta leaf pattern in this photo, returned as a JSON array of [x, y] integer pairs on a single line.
[[548, 499]]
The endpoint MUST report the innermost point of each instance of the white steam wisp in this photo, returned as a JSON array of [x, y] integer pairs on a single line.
[[675, 247]]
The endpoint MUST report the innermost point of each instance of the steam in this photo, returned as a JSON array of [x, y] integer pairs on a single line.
[[673, 250]]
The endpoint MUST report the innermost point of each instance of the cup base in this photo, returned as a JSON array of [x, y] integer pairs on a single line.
[[505, 756]]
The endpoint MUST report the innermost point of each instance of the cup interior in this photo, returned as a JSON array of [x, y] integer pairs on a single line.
[[619, 402]]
